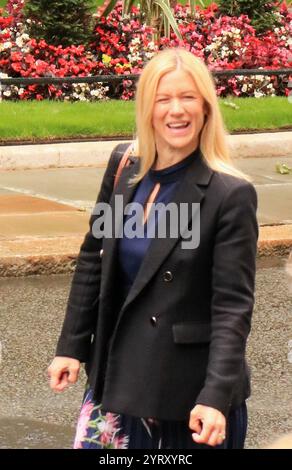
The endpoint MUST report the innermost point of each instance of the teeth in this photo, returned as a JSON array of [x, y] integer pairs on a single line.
[[178, 125]]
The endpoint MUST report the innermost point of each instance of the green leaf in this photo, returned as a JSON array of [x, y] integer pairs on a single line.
[[283, 169], [169, 15], [108, 8], [127, 5]]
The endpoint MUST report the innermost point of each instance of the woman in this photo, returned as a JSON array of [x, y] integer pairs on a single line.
[[161, 325]]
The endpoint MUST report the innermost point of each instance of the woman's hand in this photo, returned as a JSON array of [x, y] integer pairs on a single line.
[[209, 425], [62, 372]]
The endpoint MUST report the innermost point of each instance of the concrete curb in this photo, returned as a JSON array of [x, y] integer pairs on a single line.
[[54, 258], [86, 154]]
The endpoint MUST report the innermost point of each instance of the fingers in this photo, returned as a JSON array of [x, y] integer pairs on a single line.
[[209, 425], [59, 382], [210, 436], [204, 436], [73, 375], [197, 426], [62, 372]]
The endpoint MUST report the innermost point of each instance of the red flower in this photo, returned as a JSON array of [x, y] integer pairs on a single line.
[[16, 66], [75, 69], [16, 56]]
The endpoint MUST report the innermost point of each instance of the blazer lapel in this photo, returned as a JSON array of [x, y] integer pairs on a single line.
[[188, 191]]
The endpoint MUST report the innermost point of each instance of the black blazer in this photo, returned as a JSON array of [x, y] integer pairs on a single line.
[[179, 338]]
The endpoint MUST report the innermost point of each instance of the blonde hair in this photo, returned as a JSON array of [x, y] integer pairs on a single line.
[[213, 143]]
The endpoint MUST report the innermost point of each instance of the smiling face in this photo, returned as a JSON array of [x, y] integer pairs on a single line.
[[178, 114]]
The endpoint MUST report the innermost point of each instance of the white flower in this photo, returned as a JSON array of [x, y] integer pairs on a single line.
[[7, 93], [19, 42], [7, 45], [21, 91], [244, 88], [149, 55], [3, 75], [258, 94], [25, 37], [95, 93]]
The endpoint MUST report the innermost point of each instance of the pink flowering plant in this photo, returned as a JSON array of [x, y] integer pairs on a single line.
[[97, 428], [105, 431], [121, 45]]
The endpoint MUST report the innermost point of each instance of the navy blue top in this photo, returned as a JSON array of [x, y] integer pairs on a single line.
[[131, 251]]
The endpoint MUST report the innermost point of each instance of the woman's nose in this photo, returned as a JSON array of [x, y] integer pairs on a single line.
[[176, 107]]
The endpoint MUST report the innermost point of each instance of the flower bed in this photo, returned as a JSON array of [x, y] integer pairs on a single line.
[[123, 45]]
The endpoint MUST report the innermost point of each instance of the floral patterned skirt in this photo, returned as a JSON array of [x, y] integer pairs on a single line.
[[104, 430]]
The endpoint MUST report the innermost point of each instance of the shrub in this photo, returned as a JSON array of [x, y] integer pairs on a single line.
[[62, 22], [262, 13]]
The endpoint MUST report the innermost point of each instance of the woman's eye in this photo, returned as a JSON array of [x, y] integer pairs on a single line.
[[189, 97]]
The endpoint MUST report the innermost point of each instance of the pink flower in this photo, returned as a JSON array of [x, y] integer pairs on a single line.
[[108, 428], [121, 442], [83, 420]]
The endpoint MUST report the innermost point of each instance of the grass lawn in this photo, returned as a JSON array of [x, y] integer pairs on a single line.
[[47, 120]]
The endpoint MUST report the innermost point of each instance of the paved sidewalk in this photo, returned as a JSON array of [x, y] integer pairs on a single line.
[[44, 214], [84, 154]]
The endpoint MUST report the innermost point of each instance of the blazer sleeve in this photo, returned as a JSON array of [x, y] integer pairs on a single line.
[[82, 306], [233, 282]]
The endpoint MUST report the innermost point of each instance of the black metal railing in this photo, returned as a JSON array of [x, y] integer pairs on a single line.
[[118, 78]]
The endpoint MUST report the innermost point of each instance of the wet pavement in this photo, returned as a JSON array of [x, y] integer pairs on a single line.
[[31, 313]]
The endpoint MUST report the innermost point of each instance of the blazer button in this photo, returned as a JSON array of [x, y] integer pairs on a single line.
[[153, 321], [167, 276], [101, 253]]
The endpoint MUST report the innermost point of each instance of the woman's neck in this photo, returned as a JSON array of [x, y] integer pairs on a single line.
[[169, 156]]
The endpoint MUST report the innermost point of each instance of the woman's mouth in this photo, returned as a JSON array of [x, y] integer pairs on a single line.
[[178, 128]]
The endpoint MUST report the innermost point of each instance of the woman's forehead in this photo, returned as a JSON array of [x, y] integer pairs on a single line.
[[178, 80]]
